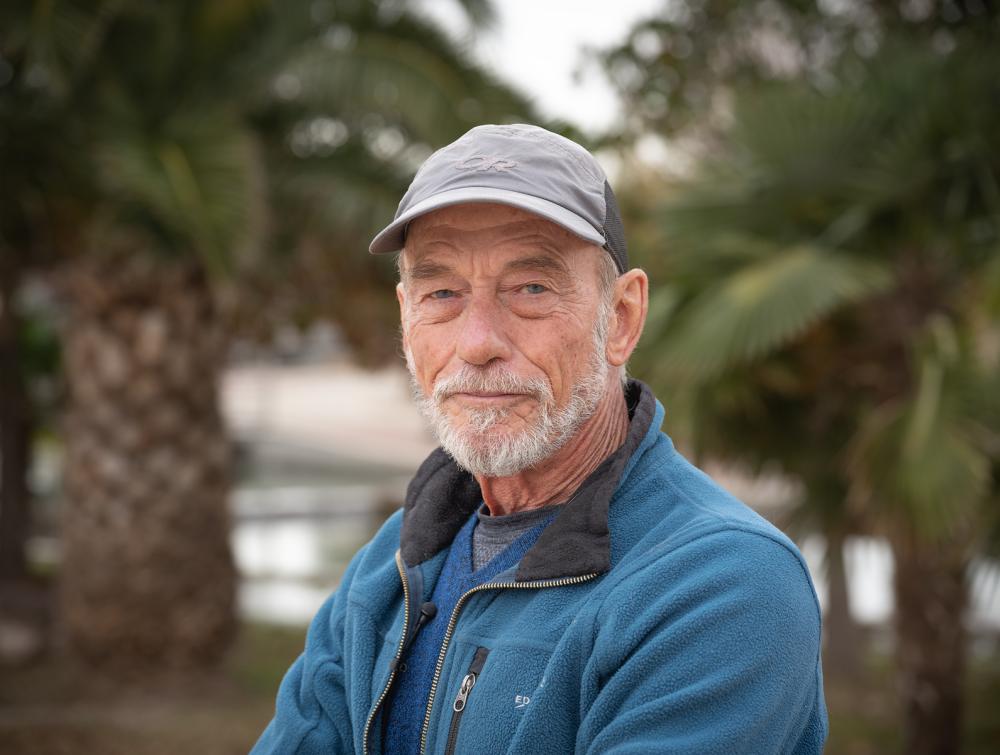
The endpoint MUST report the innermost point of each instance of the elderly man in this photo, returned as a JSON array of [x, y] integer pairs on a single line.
[[561, 579]]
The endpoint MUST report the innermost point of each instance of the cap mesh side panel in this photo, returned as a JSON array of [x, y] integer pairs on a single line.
[[614, 231]]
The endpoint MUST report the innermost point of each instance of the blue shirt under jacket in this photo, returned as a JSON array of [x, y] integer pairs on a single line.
[[655, 614], [405, 706]]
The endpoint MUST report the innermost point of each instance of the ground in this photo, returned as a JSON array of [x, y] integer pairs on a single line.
[[56, 707]]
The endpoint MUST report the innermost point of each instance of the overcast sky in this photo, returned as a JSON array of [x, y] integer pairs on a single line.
[[538, 44]]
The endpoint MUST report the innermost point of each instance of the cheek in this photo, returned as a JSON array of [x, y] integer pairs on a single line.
[[562, 354], [428, 355]]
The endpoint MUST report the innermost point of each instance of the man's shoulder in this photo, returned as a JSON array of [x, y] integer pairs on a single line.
[[670, 520], [373, 567], [660, 487], [691, 563]]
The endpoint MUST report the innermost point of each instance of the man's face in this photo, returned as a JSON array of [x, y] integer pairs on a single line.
[[504, 326]]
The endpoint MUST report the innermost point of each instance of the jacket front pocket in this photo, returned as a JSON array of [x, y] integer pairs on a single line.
[[462, 698]]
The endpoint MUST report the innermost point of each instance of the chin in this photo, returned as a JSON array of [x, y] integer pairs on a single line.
[[499, 452]]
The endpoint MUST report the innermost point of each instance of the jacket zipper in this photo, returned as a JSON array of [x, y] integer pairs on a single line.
[[462, 698], [451, 628], [399, 652]]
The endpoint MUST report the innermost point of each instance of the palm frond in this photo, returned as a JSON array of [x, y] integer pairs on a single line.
[[408, 74], [347, 192], [931, 487], [191, 182], [764, 305], [920, 463]]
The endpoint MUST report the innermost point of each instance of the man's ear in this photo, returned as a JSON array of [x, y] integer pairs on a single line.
[[401, 298], [629, 307]]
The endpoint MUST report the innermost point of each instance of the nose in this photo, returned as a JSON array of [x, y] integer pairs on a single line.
[[481, 338]]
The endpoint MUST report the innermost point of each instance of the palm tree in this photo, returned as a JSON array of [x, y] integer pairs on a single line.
[[16, 422], [205, 137], [831, 306]]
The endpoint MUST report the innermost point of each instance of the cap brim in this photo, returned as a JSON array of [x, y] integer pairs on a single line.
[[391, 238]]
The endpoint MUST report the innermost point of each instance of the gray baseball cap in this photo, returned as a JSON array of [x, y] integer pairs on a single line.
[[521, 166]]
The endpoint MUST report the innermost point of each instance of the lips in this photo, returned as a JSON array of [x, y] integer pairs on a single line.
[[489, 387], [487, 399], [484, 394]]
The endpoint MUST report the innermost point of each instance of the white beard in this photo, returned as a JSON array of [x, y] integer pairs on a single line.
[[483, 445]]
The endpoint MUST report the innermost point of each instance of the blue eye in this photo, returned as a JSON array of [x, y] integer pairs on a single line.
[[444, 293], [535, 288]]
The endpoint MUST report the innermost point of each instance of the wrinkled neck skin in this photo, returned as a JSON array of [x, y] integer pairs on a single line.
[[559, 476]]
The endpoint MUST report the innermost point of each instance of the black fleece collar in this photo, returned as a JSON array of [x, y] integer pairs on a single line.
[[441, 497]]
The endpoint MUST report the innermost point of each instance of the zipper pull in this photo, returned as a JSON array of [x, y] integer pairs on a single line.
[[463, 694]]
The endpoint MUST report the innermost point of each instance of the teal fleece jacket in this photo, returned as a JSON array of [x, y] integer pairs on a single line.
[[655, 614]]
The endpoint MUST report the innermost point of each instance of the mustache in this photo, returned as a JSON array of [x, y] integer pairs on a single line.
[[492, 380]]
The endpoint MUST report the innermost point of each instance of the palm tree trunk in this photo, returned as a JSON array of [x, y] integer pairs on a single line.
[[931, 597], [147, 577], [844, 651], [15, 440]]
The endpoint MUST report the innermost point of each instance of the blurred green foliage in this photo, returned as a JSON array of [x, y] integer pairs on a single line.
[[264, 140], [677, 69]]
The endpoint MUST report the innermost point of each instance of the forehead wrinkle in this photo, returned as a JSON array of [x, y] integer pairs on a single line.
[[428, 269], [434, 243], [539, 241]]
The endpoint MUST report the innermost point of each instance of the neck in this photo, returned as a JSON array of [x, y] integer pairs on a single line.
[[555, 480]]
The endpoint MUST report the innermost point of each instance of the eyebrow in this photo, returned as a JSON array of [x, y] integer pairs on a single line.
[[539, 263], [426, 270]]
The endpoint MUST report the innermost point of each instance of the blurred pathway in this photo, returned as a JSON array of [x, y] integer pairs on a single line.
[[334, 410]]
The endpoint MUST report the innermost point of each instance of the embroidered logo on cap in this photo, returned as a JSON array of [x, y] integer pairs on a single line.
[[484, 163]]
